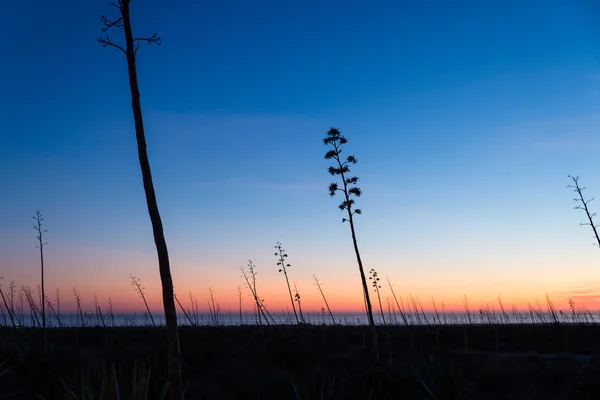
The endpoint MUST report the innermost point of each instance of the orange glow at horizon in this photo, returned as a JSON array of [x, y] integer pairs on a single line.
[[97, 272]]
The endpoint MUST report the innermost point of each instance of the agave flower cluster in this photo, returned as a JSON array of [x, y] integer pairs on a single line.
[[336, 140]]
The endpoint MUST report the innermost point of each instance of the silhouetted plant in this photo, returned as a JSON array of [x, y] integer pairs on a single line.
[[435, 310], [375, 283], [130, 50], [213, 307], [239, 291], [504, 314], [22, 307], [135, 281], [6, 306], [572, 308], [58, 306], [40, 237], [400, 307], [11, 301], [583, 205], [137, 382], [250, 278], [444, 312], [412, 302], [52, 311], [324, 299], [283, 266], [467, 311], [418, 302], [110, 312], [183, 310], [33, 307], [297, 299], [96, 308], [350, 191], [552, 311], [441, 379], [195, 309], [389, 308], [78, 303]]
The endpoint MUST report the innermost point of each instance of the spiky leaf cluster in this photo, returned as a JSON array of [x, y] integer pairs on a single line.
[[341, 168]]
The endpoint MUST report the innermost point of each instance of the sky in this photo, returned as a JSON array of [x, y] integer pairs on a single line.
[[466, 119]]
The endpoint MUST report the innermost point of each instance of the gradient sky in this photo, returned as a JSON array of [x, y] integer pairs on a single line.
[[466, 118]]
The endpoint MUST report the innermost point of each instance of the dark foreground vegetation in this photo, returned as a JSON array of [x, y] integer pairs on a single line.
[[305, 362]]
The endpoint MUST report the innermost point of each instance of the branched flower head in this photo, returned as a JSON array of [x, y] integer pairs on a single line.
[[582, 204], [342, 168], [282, 256], [374, 278]]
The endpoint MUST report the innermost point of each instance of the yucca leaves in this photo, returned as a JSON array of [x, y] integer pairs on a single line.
[[115, 383]]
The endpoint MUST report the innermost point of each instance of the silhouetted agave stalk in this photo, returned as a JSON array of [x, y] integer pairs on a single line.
[[583, 205], [6, 306], [467, 311], [33, 308], [418, 302], [350, 191], [130, 49], [375, 283], [77, 297], [572, 308], [283, 266], [195, 309], [139, 289], [504, 313], [22, 307], [52, 311], [412, 302], [437, 315], [400, 308], [213, 308], [110, 312], [183, 309], [250, 278], [552, 311], [11, 301], [239, 291], [324, 299], [58, 305], [297, 299], [266, 312], [38, 227]]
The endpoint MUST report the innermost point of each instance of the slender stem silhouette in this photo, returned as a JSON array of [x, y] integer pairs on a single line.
[[349, 190], [135, 281], [283, 268], [9, 309], [131, 47], [38, 227], [584, 206], [377, 286], [324, 299]]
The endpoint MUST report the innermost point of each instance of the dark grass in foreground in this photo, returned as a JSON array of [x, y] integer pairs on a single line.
[[305, 362]]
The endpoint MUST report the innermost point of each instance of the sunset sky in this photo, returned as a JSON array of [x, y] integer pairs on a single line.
[[466, 118]]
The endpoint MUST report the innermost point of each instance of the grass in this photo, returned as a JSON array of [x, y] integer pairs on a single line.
[[304, 362]]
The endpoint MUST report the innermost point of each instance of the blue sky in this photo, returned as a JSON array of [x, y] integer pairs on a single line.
[[466, 118]]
